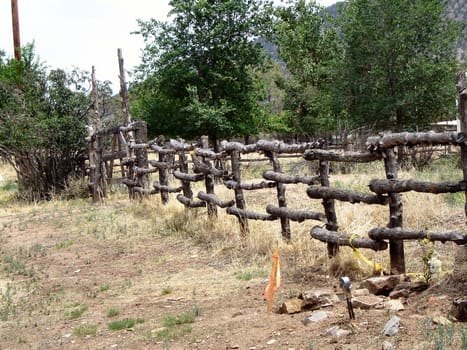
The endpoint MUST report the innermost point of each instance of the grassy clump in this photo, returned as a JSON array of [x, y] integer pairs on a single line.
[[112, 312], [77, 312], [124, 324], [85, 330]]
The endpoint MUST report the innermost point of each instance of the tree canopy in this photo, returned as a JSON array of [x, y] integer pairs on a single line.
[[198, 71], [42, 123], [399, 62]]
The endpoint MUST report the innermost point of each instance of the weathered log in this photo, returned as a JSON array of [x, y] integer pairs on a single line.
[[207, 169], [239, 198], [163, 165], [114, 155], [396, 247], [290, 179], [340, 239], [212, 198], [329, 155], [237, 146], [190, 203], [249, 214], [232, 185], [207, 153], [163, 150], [411, 139], [281, 198], [145, 191], [399, 233], [165, 188], [129, 182], [143, 171], [344, 195], [128, 161], [294, 214], [181, 146], [381, 186], [138, 146], [281, 147], [188, 177], [328, 205]]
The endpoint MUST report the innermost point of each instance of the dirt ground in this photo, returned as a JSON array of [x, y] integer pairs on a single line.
[[52, 266]]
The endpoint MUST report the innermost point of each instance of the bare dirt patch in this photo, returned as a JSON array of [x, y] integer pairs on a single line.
[[65, 267]]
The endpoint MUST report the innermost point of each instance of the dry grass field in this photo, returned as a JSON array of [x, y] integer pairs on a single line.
[[140, 275]]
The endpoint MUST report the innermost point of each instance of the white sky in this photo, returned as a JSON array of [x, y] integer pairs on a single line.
[[83, 33]]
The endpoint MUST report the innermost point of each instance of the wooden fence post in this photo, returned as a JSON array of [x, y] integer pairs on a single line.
[[96, 164], [396, 247], [285, 222], [328, 204], [239, 198], [462, 107], [209, 180], [141, 154]]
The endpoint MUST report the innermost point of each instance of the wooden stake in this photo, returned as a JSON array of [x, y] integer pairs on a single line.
[[16, 33]]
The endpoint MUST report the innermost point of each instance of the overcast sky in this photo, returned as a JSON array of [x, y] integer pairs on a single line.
[[83, 33]]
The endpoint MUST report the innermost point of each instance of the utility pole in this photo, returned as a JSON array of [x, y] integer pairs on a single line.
[[16, 37]]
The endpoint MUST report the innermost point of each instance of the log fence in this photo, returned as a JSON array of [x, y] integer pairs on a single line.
[[131, 148]]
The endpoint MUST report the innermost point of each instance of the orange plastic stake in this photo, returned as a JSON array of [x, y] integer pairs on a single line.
[[274, 281]]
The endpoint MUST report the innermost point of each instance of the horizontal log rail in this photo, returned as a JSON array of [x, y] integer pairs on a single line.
[[242, 213], [336, 156], [381, 186], [144, 171], [290, 179], [164, 188], [281, 147], [188, 177], [405, 234], [340, 239], [237, 146], [411, 139], [163, 165], [344, 195], [294, 214], [190, 203], [206, 169], [214, 199], [233, 185], [114, 156]]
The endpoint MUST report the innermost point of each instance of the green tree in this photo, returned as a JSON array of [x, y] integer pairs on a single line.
[[308, 43], [42, 124], [198, 71], [399, 66]]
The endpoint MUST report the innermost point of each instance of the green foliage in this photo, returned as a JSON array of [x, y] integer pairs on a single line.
[[42, 123], [172, 320], [112, 312], [76, 312], [399, 63], [85, 330], [197, 72], [124, 324], [308, 43]]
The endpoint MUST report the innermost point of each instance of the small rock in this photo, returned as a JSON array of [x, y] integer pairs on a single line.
[[387, 346], [412, 287], [459, 309], [366, 302], [337, 332], [315, 317], [235, 346], [68, 335], [399, 293], [318, 297], [291, 306], [360, 292], [441, 320], [392, 326], [271, 342], [394, 305], [381, 285]]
